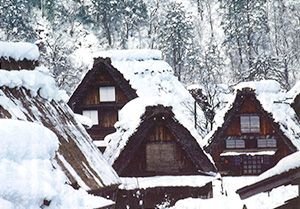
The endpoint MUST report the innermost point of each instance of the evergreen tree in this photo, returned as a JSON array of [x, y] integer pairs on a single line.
[[133, 19], [107, 14], [175, 36], [246, 29], [14, 20]]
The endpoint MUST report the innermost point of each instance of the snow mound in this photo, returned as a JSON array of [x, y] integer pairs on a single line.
[[19, 51], [29, 174], [37, 81], [18, 145]]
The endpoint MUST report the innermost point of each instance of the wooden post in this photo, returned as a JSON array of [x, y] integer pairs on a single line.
[[195, 112]]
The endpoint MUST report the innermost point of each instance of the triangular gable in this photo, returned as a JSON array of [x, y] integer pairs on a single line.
[[239, 106], [90, 79], [181, 135]]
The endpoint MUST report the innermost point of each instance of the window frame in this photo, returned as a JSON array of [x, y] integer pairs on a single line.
[[156, 164]]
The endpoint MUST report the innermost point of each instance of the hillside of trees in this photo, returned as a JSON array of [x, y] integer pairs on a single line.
[[207, 42]]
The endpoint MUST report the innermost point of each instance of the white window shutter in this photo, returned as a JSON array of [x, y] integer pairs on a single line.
[[107, 94], [92, 114], [255, 124], [245, 124]]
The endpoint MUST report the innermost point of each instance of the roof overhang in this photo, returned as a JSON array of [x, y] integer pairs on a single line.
[[265, 185]]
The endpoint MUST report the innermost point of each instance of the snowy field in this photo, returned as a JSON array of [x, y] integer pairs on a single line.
[[226, 198]]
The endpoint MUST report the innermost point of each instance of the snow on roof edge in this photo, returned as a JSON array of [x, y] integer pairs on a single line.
[[271, 97], [37, 81], [19, 50], [131, 54]]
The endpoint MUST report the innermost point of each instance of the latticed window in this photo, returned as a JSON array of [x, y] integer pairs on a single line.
[[250, 124], [266, 143], [252, 165], [235, 143]]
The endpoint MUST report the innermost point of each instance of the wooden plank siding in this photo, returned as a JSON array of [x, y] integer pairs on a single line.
[[107, 111], [159, 154], [246, 104]]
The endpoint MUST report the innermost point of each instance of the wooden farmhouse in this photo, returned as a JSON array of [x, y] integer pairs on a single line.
[[31, 95], [157, 146], [287, 172], [116, 78], [134, 95], [101, 94], [254, 131]]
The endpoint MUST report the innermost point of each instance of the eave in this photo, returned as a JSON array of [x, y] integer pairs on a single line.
[[270, 183]]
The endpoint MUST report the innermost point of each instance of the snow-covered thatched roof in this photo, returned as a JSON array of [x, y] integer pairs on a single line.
[[30, 177], [155, 84], [19, 51], [135, 113], [31, 95], [273, 100], [151, 77]]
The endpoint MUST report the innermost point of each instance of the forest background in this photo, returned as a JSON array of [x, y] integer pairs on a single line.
[[207, 42]]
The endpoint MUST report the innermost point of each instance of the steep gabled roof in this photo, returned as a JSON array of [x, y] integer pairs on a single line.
[[32, 96], [148, 76], [270, 101], [88, 80], [287, 171], [132, 130]]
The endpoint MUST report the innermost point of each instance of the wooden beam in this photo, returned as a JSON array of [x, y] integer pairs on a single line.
[[269, 183]]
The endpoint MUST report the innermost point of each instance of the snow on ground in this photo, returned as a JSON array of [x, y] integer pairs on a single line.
[[19, 50], [132, 183], [226, 198], [31, 174]]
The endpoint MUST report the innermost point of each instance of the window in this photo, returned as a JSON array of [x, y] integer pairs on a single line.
[[252, 164], [92, 114], [107, 94], [235, 143], [250, 124], [266, 143]]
